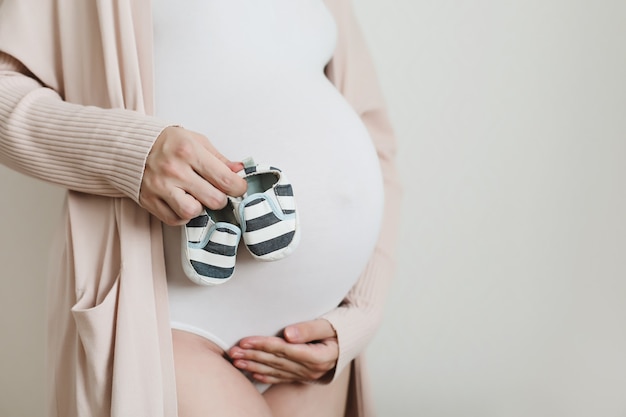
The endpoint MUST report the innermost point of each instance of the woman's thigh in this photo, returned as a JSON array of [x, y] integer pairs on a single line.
[[310, 400], [208, 385]]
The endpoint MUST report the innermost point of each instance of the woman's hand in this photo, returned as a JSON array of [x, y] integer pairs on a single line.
[[183, 173], [308, 351]]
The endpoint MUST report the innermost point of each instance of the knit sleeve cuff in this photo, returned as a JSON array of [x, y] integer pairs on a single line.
[[84, 148], [358, 318]]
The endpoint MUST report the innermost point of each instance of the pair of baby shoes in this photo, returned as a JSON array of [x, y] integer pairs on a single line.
[[265, 217]]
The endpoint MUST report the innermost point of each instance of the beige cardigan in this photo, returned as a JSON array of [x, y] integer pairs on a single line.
[[75, 99]]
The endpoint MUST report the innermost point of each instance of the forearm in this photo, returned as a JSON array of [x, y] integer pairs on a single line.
[[83, 148]]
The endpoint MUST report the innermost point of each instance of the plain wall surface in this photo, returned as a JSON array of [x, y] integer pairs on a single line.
[[510, 297]]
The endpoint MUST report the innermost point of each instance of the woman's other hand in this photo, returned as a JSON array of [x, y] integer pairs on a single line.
[[308, 351], [183, 173]]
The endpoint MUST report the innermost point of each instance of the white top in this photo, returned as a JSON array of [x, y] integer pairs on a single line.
[[248, 74]]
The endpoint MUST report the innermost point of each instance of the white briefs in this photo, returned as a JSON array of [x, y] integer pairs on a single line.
[[248, 74]]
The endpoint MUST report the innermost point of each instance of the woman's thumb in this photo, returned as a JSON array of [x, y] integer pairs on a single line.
[[309, 331]]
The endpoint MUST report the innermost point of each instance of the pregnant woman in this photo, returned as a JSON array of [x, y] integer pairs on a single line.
[[130, 105]]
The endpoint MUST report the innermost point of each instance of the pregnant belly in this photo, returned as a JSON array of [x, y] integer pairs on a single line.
[[313, 135]]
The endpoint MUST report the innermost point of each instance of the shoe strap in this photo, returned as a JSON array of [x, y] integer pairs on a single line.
[[248, 162]]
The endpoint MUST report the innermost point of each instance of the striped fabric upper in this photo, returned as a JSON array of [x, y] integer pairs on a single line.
[[209, 247], [267, 212]]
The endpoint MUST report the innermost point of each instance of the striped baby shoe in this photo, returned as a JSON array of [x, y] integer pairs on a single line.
[[210, 246], [267, 212]]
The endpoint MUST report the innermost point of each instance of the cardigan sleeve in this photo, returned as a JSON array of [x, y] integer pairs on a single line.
[[352, 70], [83, 148]]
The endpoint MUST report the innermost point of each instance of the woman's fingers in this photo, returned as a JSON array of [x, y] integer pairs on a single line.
[[213, 180], [308, 351], [309, 331], [211, 169], [183, 204], [274, 357], [311, 354], [185, 172], [163, 211], [287, 371]]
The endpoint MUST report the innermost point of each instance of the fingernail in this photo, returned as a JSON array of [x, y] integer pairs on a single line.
[[241, 364], [292, 333], [246, 346], [237, 355]]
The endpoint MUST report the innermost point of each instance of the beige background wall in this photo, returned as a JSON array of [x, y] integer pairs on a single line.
[[510, 298]]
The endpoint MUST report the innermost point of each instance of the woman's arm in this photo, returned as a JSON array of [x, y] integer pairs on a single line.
[[111, 152], [83, 148]]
